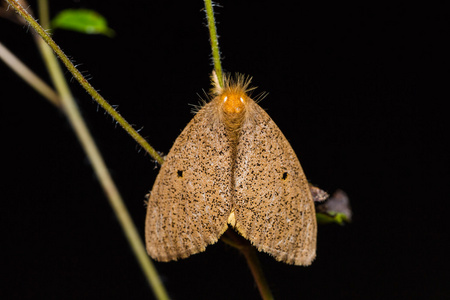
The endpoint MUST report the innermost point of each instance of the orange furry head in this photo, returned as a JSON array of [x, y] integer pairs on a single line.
[[232, 100]]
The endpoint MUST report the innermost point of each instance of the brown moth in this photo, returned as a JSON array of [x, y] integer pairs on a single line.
[[231, 166]]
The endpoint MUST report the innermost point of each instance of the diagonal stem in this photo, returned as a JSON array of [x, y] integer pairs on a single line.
[[29, 76], [115, 199], [84, 83]]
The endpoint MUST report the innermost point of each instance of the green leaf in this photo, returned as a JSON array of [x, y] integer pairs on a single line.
[[82, 20], [332, 217]]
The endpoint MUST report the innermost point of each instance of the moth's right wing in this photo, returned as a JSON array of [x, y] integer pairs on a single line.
[[274, 208], [189, 204]]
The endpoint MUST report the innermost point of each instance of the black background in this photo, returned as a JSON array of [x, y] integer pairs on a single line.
[[360, 90]]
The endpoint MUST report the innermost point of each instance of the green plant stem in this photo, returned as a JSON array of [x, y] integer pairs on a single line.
[[84, 83], [214, 40], [235, 240], [70, 109], [44, 13]]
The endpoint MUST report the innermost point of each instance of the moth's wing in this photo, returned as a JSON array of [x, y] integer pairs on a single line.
[[189, 204], [273, 204]]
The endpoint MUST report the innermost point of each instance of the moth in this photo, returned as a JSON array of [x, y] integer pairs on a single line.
[[231, 167]]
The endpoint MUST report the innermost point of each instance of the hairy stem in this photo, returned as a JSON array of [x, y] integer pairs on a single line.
[[214, 40], [84, 83]]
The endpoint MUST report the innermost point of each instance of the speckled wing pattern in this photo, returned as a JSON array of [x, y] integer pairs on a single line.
[[190, 200], [273, 205]]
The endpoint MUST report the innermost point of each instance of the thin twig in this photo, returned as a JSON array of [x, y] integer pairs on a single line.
[[29, 76]]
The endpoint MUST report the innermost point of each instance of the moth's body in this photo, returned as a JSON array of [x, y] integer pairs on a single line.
[[231, 166]]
